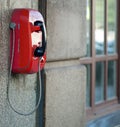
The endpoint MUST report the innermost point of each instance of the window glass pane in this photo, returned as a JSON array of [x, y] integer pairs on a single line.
[[111, 38], [111, 88], [88, 86], [99, 88], [88, 28], [99, 27]]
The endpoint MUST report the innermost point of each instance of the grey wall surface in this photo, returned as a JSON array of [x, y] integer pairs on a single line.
[[22, 87], [65, 77], [66, 29], [65, 94]]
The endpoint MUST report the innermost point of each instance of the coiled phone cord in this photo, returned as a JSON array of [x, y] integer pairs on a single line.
[[12, 26]]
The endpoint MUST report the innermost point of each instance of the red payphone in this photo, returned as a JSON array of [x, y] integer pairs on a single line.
[[27, 41], [27, 46]]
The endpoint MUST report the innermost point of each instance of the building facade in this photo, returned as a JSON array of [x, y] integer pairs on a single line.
[[65, 78], [69, 77]]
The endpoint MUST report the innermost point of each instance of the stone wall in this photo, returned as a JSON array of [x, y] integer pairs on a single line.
[[65, 77], [22, 87]]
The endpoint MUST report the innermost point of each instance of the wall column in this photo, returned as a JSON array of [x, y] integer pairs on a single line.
[[65, 77]]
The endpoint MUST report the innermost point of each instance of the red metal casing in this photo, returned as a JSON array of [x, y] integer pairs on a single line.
[[26, 39]]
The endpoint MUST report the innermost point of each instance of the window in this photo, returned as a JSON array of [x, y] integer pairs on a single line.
[[102, 56]]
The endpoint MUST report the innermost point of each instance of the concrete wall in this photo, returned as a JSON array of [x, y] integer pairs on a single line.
[[65, 77], [66, 29], [22, 87]]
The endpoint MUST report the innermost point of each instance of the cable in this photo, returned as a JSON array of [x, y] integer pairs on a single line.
[[12, 26]]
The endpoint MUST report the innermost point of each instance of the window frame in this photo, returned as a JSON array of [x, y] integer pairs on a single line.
[[108, 105]]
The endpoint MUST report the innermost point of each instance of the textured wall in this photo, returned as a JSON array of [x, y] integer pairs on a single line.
[[65, 80], [22, 87], [65, 77], [66, 29], [65, 94]]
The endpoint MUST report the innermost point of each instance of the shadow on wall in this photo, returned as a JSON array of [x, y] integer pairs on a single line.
[[112, 120]]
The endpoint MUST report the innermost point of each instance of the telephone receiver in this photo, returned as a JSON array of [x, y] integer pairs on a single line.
[[39, 51]]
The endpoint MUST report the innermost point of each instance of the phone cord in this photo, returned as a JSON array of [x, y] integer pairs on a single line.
[[10, 77]]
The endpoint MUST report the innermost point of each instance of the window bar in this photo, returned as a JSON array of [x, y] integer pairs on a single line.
[[106, 54], [93, 54]]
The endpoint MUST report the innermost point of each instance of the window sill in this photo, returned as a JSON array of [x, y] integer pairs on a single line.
[[102, 110]]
